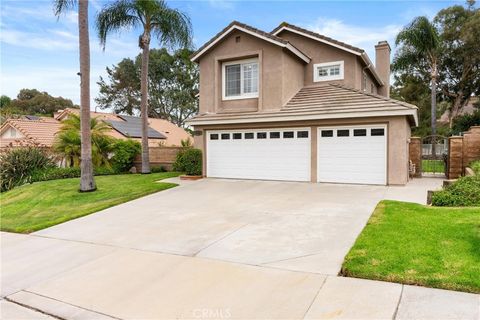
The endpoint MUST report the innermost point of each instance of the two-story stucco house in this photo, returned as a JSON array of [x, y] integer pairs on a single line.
[[295, 105]]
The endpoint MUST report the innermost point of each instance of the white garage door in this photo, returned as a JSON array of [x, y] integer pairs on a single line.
[[352, 154], [273, 154]]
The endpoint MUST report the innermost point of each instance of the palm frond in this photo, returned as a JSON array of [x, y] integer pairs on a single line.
[[60, 6], [420, 34], [171, 27], [114, 17]]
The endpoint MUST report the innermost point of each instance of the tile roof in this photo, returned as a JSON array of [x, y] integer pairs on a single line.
[[168, 132], [41, 131], [326, 101]]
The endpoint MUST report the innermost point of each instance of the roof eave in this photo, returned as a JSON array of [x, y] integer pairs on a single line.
[[411, 113], [286, 45]]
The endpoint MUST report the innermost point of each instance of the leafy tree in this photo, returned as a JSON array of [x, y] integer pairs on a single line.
[[87, 182], [173, 85], [68, 141], [419, 54], [414, 89], [170, 26], [34, 102], [464, 122], [5, 101], [459, 29]]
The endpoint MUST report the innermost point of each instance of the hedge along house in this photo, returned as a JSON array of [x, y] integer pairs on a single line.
[[294, 105]]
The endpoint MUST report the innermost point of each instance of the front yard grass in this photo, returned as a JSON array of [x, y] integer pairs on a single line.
[[433, 166], [43, 204], [420, 245]]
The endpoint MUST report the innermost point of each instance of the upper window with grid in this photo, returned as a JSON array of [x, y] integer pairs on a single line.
[[240, 79], [328, 71]]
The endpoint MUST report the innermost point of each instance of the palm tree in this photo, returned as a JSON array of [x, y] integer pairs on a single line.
[[87, 183], [419, 51], [171, 27], [68, 141]]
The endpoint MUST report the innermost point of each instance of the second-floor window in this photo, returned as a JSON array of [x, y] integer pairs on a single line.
[[328, 71], [240, 79]]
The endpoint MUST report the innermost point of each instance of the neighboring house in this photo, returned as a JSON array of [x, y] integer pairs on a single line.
[[29, 130], [160, 132], [42, 130], [298, 106]]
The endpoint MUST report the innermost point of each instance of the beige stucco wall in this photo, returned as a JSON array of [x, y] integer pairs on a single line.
[[320, 53], [398, 135], [280, 74], [292, 76]]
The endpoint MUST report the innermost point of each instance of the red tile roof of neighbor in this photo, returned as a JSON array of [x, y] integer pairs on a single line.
[[42, 130]]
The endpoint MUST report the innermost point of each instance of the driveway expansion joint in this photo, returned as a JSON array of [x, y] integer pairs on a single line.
[[32, 308], [398, 303]]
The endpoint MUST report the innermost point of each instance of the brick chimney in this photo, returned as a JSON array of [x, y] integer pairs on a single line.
[[382, 64]]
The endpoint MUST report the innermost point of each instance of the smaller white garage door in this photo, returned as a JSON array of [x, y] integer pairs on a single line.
[[269, 154], [352, 154]]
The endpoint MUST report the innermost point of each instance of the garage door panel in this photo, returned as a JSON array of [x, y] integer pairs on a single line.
[[269, 159], [352, 159]]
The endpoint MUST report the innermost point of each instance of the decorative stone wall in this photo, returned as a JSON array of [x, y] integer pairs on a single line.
[[471, 145], [455, 157], [462, 151], [415, 155], [159, 156]]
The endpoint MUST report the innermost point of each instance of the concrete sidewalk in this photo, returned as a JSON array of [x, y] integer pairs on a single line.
[[90, 281]]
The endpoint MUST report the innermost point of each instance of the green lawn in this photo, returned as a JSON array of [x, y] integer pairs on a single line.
[[43, 204], [436, 166], [415, 244]]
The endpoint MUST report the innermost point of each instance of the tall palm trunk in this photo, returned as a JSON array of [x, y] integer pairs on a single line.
[[434, 110], [145, 45], [87, 182]]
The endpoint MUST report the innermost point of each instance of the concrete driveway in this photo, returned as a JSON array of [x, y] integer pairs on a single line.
[[295, 226], [217, 249]]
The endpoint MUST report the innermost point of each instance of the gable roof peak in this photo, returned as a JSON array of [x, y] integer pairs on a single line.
[[285, 25], [236, 25]]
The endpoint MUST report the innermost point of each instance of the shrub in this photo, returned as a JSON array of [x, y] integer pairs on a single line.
[[192, 162], [18, 165], [475, 165], [156, 169], [56, 173], [124, 153], [464, 122], [464, 192], [189, 160]]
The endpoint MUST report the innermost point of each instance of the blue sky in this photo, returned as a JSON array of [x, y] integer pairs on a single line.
[[37, 51]]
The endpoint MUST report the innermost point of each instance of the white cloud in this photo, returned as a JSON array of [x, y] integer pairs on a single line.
[[51, 40], [360, 36]]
